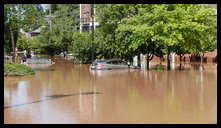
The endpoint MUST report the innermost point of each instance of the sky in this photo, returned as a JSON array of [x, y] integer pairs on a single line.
[[44, 6]]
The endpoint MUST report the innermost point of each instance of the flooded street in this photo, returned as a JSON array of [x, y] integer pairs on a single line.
[[71, 93]]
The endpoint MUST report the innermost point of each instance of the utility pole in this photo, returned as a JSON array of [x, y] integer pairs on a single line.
[[92, 17], [50, 24], [13, 46]]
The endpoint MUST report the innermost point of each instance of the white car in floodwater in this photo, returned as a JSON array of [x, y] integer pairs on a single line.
[[38, 63], [110, 64]]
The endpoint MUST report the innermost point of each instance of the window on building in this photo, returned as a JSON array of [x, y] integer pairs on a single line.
[[85, 28]]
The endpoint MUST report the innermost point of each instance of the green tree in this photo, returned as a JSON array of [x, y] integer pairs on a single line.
[[17, 17], [65, 21], [81, 47], [156, 29], [109, 17], [24, 43]]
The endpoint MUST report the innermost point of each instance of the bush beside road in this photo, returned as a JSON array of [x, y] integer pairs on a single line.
[[12, 69]]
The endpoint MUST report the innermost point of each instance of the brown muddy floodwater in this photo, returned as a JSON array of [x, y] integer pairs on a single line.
[[71, 93]]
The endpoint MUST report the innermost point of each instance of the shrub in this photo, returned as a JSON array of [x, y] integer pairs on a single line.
[[159, 67], [11, 69]]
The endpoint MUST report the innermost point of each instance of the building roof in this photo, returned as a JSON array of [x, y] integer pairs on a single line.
[[38, 30]]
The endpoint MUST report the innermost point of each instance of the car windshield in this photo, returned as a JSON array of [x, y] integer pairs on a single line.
[[100, 61], [117, 62]]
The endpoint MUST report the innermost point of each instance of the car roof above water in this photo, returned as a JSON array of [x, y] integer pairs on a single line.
[[104, 61], [101, 61]]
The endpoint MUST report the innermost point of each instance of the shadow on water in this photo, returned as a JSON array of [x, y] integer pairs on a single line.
[[44, 69], [51, 97], [63, 95]]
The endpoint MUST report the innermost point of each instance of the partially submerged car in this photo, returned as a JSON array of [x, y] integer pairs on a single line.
[[110, 64]]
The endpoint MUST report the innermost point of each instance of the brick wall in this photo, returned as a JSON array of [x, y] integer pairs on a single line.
[[213, 5], [208, 57]]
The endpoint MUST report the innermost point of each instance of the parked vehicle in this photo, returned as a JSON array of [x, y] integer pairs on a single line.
[[110, 64]]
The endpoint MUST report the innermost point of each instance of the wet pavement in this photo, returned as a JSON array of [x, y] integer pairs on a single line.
[[71, 93]]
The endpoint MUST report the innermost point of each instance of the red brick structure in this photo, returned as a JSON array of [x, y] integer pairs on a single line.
[[213, 5], [211, 56], [208, 57], [85, 11], [85, 17]]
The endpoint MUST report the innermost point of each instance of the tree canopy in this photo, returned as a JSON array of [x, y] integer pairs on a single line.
[[20, 16], [64, 22], [157, 29], [125, 30]]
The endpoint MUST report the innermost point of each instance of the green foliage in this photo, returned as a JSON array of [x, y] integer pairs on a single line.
[[58, 38], [25, 43], [82, 47], [20, 16], [152, 29], [12, 69], [109, 17], [159, 67], [125, 30], [65, 23]]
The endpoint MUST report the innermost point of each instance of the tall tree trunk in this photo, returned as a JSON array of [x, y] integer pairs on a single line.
[[161, 59], [201, 57], [168, 59], [180, 61], [13, 46], [180, 58], [138, 60], [149, 58], [148, 62]]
